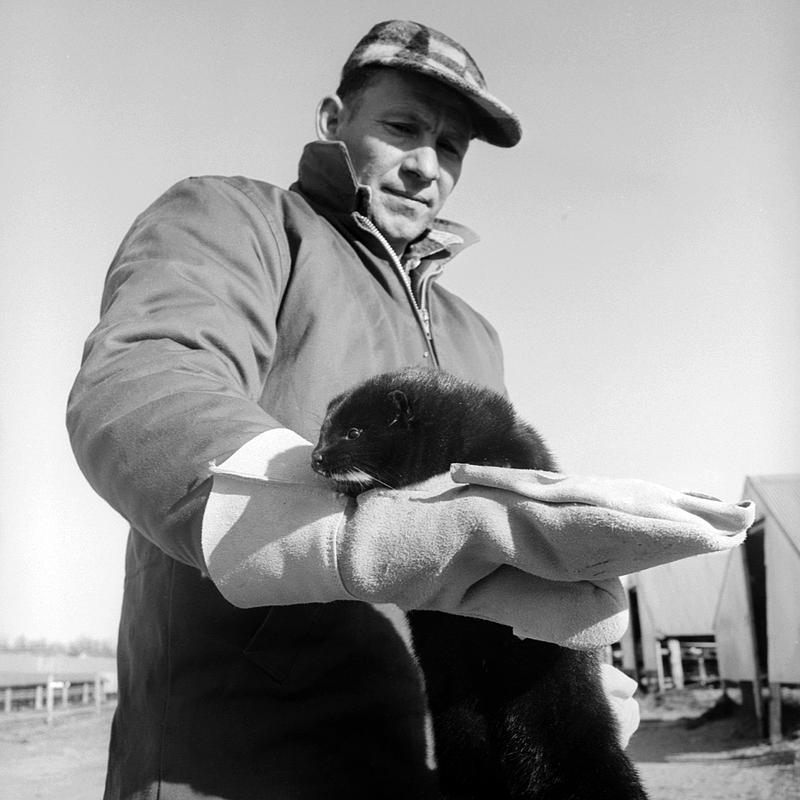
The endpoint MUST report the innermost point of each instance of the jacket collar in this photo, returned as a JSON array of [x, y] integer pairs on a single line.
[[326, 178]]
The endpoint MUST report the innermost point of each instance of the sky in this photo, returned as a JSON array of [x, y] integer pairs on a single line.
[[639, 248]]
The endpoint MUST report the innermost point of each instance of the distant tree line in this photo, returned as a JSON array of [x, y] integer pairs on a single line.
[[83, 645]]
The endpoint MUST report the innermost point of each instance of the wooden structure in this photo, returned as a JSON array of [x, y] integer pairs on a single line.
[[47, 683], [672, 609], [52, 692], [757, 623]]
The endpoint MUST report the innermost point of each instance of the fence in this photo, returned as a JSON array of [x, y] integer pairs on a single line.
[[52, 693]]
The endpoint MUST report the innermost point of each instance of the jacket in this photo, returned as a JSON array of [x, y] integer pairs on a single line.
[[231, 308]]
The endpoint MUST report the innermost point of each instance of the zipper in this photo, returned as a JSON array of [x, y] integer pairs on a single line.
[[420, 310], [424, 285]]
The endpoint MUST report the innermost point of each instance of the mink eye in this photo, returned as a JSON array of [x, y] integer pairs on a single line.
[[353, 433]]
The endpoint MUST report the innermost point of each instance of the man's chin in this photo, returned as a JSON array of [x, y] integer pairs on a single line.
[[401, 233]]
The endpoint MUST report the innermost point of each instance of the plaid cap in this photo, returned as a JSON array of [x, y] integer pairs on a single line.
[[402, 44]]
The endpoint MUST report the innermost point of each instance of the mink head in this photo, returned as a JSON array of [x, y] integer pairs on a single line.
[[377, 434], [402, 427]]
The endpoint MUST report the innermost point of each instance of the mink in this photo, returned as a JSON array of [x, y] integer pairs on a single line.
[[512, 718]]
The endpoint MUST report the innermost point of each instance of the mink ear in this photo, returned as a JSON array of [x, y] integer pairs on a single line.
[[401, 408]]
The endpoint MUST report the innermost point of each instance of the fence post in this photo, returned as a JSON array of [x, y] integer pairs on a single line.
[[775, 732], [701, 665], [50, 699], [98, 692], [8, 696], [675, 663], [38, 699], [662, 684]]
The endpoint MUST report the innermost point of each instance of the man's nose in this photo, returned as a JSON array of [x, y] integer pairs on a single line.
[[424, 162]]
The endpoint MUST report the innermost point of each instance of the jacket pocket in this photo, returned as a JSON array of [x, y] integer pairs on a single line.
[[281, 638]]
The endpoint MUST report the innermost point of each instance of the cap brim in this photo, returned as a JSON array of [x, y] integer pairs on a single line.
[[495, 122]]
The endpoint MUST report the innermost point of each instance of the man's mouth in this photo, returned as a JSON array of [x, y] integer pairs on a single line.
[[405, 196]]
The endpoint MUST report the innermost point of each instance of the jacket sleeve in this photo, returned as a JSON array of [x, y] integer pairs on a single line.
[[172, 374]]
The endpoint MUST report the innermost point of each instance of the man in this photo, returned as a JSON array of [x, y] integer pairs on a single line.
[[249, 664]]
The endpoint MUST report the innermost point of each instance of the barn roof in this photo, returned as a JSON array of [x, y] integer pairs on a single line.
[[680, 598], [778, 496]]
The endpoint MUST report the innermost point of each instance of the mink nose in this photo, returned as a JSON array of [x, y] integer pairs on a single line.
[[317, 460]]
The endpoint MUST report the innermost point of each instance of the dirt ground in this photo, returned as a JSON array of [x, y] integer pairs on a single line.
[[62, 761], [684, 753], [717, 760]]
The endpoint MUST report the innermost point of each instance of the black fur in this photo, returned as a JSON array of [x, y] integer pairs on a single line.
[[512, 718]]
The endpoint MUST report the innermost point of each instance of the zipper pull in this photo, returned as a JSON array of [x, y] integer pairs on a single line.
[[426, 318]]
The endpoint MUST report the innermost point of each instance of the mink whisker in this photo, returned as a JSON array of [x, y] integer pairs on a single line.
[[378, 480]]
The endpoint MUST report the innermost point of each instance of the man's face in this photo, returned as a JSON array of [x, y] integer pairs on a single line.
[[407, 136]]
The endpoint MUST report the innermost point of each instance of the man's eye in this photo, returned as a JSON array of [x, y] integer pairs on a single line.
[[353, 433], [450, 148], [400, 127]]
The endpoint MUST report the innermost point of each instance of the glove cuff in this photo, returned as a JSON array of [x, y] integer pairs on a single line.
[[269, 526]]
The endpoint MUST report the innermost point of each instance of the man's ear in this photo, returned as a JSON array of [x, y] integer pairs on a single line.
[[329, 117]]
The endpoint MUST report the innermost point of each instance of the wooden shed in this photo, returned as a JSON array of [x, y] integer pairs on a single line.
[[757, 622]]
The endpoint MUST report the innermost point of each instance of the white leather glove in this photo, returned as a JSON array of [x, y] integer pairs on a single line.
[[619, 689], [474, 551], [537, 551]]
